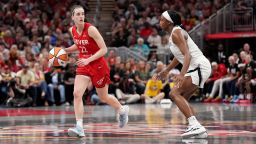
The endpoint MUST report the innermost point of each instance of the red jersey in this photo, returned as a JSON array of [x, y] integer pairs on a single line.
[[86, 45], [98, 69]]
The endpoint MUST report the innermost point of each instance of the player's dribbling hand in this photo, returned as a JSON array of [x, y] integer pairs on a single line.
[[178, 79], [82, 62]]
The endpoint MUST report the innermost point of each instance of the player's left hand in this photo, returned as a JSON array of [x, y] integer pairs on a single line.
[[82, 62], [178, 79]]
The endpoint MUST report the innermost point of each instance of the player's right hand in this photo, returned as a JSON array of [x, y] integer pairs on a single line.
[[83, 62]]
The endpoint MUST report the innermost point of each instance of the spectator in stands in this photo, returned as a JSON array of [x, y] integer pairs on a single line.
[[8, 36], [146, 30], [165, 6], [164, 45], [95, 99], [156, 17], [241, 65], [40, 83], [163, 50], [159, 68], [246, 48], [141, 76], [216, 74], [117, 71], [170, 77], [253, 86], [6, 75], [141, 48], [217, 85], [236, 58], [244, 83], [145, 19], [153, 92], [57, 83], [126, 91], [47, 43], [132, 38], [43, 59], [129, 69], [242, 57], [36, 45], [2, 62], [26, 79], [233, 74], [30, 57], [17, 97], [120, 38], [132, 10], [15, 60], [152, 59], [69, 79], [154, 39], [221, 56], [5, 52], [111, 58]]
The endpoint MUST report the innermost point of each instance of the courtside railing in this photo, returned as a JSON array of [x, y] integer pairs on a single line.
[[226, 19], [125, 53]]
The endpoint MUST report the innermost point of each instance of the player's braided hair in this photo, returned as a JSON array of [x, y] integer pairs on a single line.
[[175, 18]]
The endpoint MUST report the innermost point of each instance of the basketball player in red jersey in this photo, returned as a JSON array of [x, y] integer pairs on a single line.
[[92, 67]]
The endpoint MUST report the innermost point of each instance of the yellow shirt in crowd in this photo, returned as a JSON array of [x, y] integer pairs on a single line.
[[153, 87], [26, 78]]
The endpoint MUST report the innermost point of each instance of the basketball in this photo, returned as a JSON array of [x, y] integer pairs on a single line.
[[57, 57]]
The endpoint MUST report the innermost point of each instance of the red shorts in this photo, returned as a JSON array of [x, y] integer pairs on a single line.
[[98, 71]]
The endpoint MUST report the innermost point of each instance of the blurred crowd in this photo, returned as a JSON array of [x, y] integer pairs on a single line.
[[29, 29], [233, 77], [136, 23]]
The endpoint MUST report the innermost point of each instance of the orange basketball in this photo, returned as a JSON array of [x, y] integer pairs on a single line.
[[57, 57]]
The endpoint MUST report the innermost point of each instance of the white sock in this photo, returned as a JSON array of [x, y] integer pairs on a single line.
[[193, 121], [79, 122]]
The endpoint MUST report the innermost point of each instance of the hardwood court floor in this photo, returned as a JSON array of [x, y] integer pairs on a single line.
[[148, 124]]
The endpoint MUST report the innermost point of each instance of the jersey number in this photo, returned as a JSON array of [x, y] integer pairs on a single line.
[[84, 50]]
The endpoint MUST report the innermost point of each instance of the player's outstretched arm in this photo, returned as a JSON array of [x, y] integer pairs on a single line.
[[164, 73], [172, 65], [94, 33], [71, 48]]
